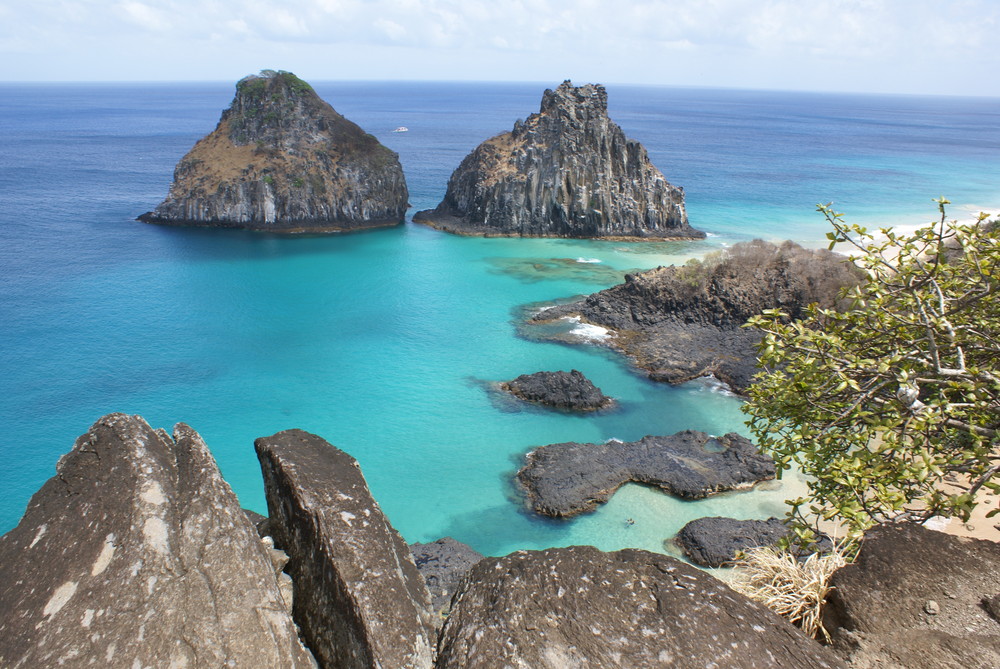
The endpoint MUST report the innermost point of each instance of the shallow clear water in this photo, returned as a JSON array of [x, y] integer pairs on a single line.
[[384, 342]]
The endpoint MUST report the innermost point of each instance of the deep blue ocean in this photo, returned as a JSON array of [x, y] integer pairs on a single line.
[[385, 342]]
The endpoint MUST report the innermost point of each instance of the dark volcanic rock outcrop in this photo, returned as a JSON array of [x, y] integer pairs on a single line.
[[281, 159], [566, 479], [562, 390], [137, 554], [567, 171], [715, 541], [359, 598], [915, 599], [443, 564], [681, 323], [579, 607]]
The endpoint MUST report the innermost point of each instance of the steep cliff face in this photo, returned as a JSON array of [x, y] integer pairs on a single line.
[[567, 171], [282, 159]]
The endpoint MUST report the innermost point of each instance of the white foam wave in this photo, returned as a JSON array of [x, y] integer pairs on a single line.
[[588, 331], [588, 260], [710, 234], [711, 384]]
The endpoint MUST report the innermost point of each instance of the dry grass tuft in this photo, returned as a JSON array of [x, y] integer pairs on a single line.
[[794, 589]]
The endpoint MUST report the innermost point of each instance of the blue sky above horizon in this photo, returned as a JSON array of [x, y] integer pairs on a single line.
[[877, 46]]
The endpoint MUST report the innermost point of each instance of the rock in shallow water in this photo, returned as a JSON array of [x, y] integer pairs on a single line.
[[283, 160], [137, 554], [443, 564], [563, 390], [566, 479], [359, 598], [715, 541], [579, 607], [567, 171]]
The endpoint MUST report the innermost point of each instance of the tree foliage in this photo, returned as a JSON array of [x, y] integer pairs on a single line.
[[890, 405]]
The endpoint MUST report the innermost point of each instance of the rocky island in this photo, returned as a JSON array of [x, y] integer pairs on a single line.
[[569, 391], [567, 171], [684, 322], [283, 160], [563, 480]]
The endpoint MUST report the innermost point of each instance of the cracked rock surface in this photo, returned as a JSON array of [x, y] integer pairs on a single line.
[[136, 553], [579, 607], [358, 595]]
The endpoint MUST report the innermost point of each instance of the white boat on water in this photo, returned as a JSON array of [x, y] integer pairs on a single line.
[[402, 128]]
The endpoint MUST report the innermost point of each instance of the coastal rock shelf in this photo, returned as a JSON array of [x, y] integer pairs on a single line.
[[567, 171], [283, 160], [682, 323], [571, 391], [563, 480]]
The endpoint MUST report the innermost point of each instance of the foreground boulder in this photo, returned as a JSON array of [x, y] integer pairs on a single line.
[[918, 599], [715, 541], [681, 323], [579, 607], [567, 171], [359, 598], [282, 160], [571, 390], [137, 554], [563, 480], [443, 564]]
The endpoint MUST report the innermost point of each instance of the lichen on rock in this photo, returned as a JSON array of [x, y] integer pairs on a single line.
[[567, 171], [281, 159]]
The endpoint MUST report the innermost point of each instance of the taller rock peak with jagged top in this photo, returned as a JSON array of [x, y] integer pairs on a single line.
[[281, 159], [567, 171]]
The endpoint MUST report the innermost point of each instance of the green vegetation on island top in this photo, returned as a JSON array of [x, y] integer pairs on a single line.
[[890, 405]]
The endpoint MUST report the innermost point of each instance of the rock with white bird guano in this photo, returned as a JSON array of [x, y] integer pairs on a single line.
[[136, 553], [359, 598], [567, 171], [283, 160], [631, 609]]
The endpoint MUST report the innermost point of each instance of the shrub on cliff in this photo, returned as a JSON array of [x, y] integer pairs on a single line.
[[892, 405]]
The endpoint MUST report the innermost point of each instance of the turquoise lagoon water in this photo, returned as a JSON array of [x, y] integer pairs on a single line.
[[385, 342]]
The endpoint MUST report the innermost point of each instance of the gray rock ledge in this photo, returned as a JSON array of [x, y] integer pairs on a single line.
[[359, 599], [715, 541], [562, 480], [136, 553], [632, 609]]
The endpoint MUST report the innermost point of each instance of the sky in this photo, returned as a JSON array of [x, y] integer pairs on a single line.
[[944, 47]]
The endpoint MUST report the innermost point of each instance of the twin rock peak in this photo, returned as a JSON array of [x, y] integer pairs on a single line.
[[283, 160]]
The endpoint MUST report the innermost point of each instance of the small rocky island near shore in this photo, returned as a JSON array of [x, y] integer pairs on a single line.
[[569, 391], [562, 480], [567, 171], [684, 322], [137, 554], [283, 160]]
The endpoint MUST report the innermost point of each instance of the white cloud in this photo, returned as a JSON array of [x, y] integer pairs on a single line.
[[772, 43], [145, 16]]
